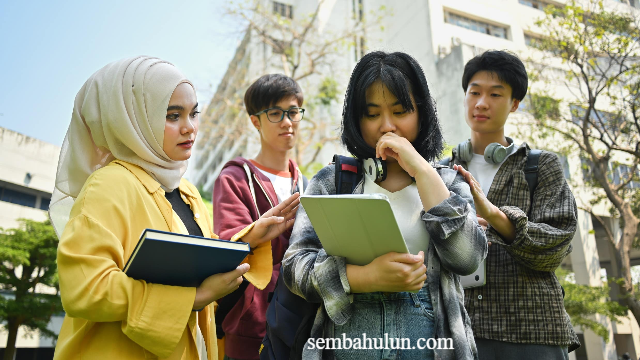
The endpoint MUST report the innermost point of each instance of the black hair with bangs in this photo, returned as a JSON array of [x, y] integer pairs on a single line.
[[403, 76]]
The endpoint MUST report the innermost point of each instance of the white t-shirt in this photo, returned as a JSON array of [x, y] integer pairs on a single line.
[[282, 181], [485, 172], [406, 206]]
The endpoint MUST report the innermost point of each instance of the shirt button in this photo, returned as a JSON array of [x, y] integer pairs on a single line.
[[197, 216], [479, 297]]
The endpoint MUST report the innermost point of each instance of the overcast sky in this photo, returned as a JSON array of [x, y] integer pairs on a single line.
[[50, 48]]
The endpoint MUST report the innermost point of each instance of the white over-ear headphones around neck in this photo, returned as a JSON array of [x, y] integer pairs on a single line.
[[494, 153], [376, 168]]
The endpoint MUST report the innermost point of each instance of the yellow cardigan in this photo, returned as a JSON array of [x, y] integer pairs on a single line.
[[112, 316]]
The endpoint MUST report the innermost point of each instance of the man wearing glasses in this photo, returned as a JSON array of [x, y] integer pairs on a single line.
[[246, 189]]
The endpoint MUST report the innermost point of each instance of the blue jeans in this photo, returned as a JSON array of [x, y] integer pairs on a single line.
[[388, 326]]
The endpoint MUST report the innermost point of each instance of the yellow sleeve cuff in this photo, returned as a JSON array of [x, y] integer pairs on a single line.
[[261, 261], [160, 324]]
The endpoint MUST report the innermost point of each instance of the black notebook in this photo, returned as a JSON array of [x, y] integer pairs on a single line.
[[182, 260]]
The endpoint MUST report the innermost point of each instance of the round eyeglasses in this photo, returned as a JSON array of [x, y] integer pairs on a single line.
[[275, 115]]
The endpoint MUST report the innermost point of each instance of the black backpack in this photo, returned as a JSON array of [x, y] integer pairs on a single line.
[[290, 317]]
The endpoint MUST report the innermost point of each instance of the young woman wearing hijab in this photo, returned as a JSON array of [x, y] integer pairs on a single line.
[[389, 113], [120, 171]]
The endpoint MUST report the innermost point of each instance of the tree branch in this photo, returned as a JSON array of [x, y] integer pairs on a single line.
[[632, 174], [606, 228]]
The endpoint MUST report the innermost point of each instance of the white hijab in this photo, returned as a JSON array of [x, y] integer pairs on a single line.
[[119, 113]]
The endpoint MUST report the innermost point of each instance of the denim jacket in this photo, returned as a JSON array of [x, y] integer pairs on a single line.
[[457, 246]]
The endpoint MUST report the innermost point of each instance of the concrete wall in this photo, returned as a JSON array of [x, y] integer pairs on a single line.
[[21, 154]]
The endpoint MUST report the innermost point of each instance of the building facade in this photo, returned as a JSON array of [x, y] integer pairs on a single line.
[[27, 177], [442, 36]]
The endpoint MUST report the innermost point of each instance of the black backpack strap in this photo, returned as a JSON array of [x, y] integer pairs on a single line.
[[531, 171], [348, 172], [531, 175]]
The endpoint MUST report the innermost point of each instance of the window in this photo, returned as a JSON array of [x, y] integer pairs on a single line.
[[283, 10], [13, 193], [536, 4], [530, 40], [541, 5], [44, 203], [540, 106], [17, 197], [603, 120], [632, 3], [564, 161], [622, 173], [616, 173], [476, 25], [359, 47], [356, 54], [357, 10]]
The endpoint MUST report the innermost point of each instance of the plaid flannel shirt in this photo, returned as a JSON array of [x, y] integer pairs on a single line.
[[457, 246], [522, 300]]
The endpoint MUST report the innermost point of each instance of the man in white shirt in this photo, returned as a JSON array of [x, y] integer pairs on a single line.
[[519, 313]]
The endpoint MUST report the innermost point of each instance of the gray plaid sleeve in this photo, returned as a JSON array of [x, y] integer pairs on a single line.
[[307, 269], [453, 227], [544, 240]]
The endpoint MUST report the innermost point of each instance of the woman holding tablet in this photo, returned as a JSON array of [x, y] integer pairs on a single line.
[[120, 171], [389, 114]]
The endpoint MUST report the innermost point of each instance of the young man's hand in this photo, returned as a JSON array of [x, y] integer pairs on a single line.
[[484, 208], [274, 222]]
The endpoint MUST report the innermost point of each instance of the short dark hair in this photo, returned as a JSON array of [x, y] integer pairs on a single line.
[[268, 90], [403, 76], [506, 65]]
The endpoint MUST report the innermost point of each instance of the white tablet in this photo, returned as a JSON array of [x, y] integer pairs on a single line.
[[476, 279]]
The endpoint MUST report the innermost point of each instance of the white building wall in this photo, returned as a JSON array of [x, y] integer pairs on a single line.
[[21, 154]]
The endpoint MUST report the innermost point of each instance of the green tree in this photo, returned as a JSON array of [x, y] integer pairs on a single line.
[[27, 263], [583, 302], [591, 55]]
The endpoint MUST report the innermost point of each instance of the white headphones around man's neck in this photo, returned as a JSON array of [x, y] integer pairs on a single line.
[[494, 153]]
